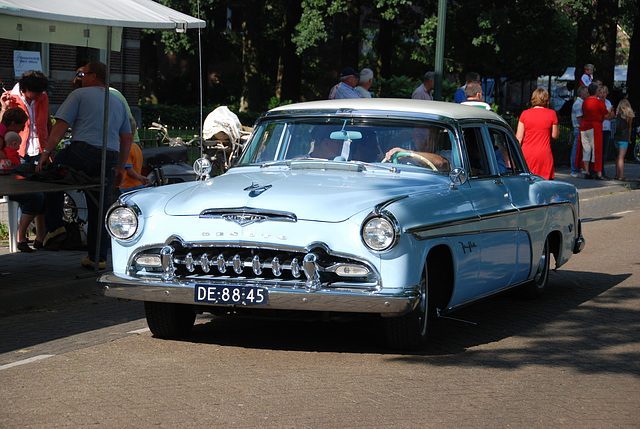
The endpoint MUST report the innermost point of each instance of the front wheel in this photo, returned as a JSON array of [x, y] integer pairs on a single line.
[[536, 287], [409, 332], [167, 320]]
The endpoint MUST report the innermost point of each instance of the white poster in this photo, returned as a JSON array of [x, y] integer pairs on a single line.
[[26, 60]]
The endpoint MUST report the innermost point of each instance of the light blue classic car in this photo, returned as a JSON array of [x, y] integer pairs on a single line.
[[404, 208]]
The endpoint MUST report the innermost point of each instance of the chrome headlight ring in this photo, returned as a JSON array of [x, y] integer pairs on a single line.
[[380, 231], [124, 222]]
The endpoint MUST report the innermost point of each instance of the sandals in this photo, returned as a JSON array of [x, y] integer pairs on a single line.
[[621, 179]]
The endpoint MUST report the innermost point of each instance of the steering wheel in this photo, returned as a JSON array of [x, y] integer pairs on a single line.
[[420, 158]]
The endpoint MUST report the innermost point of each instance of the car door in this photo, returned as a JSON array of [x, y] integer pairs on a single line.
[[497, 225], [524, 192]]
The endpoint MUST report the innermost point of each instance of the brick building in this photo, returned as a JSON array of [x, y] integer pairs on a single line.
[[60, 62]]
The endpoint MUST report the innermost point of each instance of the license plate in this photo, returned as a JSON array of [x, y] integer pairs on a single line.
[[233, 295]]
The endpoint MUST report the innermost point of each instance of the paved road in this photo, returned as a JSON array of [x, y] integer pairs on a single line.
[[569, 359]]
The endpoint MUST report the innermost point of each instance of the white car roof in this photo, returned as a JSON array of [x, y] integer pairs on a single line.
[[450, 110]]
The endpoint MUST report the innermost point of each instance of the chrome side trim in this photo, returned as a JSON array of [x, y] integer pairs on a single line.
[[379, 207], [417, 230], [420, 229], [419, 236], [389, 304]]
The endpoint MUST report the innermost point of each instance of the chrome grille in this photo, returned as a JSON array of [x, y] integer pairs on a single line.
[[312, 269]]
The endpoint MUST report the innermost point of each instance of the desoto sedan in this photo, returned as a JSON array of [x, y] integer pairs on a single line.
[[402, 208]]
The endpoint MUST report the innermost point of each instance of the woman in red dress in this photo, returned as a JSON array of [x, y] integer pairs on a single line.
[[536, 127]]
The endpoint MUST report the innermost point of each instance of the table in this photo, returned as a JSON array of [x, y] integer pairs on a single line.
[[13, 184]]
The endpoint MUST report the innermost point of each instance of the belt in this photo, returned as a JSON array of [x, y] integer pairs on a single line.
[[90, 148]]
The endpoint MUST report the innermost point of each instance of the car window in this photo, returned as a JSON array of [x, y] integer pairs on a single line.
[[476, 153], [505, 151], [353, 139]]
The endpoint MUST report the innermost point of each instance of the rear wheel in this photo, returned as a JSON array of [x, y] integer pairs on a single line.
[[538, 285], [167, 320], [409, 332]]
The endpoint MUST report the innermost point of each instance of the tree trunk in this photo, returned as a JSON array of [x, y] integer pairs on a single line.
[[289, 78], [250, 77], [633, 88], [385, 48], [351, 35], [584, 43], [605, 43]]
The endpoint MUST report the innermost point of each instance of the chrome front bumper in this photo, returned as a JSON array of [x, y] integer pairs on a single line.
[[279, 298]]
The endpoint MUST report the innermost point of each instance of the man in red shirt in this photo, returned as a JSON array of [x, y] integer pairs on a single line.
[[594, 112]]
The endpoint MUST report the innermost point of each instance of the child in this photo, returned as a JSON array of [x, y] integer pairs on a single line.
[[32, 205], [12, 120], [132, 178], [12, 142]]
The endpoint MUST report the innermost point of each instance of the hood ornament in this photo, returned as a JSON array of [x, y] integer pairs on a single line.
[[255, 189]]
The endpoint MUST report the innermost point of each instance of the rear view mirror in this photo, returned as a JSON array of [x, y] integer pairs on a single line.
[[346, 135]]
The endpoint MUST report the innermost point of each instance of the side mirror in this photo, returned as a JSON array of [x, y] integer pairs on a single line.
[[458, 177]]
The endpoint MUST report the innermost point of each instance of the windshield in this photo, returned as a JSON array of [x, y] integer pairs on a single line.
[[367, 140]]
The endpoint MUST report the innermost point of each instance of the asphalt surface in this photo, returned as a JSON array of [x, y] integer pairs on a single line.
[[32, 281]]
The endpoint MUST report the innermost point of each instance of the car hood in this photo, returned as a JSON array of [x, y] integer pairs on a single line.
[[308, 194]]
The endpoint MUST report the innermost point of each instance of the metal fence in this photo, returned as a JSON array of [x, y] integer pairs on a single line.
[[153, 137]]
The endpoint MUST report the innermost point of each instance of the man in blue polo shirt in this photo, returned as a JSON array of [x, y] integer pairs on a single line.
[[83, 110]]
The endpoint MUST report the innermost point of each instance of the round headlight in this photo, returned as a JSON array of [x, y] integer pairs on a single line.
[[122, 223], [378, 233]]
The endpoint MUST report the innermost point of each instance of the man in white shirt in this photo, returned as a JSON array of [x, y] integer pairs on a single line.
[[473, 91]]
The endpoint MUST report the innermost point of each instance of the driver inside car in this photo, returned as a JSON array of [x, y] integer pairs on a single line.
[[425, 140]]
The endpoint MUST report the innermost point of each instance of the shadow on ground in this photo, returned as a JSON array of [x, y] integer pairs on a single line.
[[578, 324]]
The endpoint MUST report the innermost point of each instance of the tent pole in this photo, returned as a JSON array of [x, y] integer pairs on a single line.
[[201, 86], [103, 166]]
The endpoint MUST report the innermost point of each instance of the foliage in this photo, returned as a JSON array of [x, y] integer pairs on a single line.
[[243, 52], [4, 231], [274, 102], [317, 17], [518, 41], [395, 87]]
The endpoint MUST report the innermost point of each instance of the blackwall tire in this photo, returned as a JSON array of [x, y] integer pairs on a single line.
[[410, 332], [538, 285], [167, 320]]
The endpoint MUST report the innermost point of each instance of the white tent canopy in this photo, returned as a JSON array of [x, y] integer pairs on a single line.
[[85, 22]]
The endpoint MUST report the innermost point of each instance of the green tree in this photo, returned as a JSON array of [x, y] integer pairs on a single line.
[[517, 40]]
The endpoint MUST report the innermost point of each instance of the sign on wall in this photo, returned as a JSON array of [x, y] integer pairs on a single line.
[[26, 60]]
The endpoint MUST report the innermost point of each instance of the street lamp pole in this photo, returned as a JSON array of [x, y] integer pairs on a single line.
[[439, 66]]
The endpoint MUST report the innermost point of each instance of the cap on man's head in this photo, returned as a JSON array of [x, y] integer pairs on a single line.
[[349, 72]]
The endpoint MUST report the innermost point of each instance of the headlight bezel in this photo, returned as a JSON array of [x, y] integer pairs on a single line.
[[388, 222], [136, 216]]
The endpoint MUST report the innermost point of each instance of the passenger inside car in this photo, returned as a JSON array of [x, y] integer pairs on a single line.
[[366, 149], [322, 146]]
